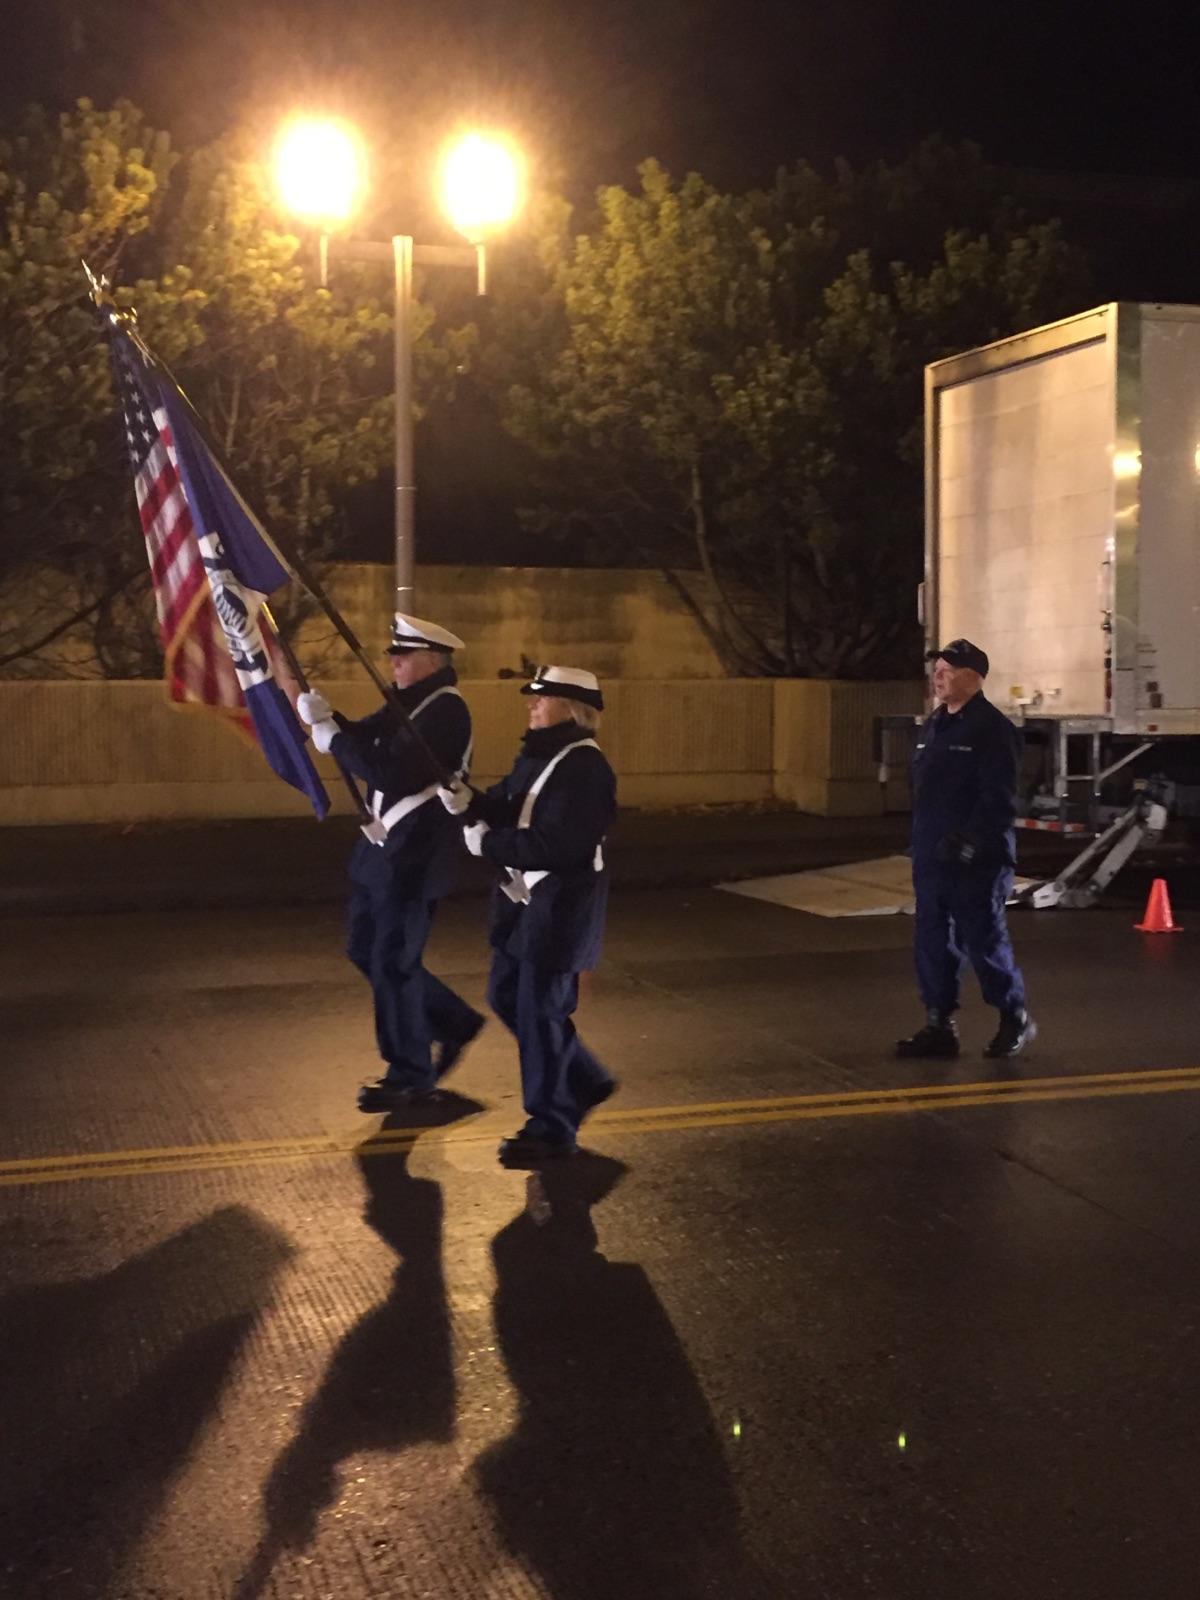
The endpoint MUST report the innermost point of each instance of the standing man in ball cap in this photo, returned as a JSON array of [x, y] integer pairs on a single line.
[[544, 826], [964, 779], [398, 878]]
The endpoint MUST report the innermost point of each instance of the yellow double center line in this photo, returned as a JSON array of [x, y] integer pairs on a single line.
[[634, 1120]]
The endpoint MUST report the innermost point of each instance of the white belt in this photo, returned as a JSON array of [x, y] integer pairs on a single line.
[[521, 883], [402, 808]]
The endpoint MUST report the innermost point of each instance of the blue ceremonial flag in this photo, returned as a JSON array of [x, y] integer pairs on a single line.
[[213, 565]]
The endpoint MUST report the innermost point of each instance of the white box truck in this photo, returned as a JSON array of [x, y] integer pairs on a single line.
[[1063, 516], [1062, 534]]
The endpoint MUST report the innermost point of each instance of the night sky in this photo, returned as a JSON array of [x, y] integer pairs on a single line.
[[732, 90]]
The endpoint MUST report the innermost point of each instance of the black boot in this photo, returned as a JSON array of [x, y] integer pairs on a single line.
[[529, 1149], [1016, 1030], [937, 1040], [385, 1095]]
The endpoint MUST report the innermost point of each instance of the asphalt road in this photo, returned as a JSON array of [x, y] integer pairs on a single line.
[[806, 1321]]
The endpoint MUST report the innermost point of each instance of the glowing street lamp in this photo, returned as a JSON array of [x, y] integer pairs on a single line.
[[319, 171], [481, 191], [320, 176], [481, 185]]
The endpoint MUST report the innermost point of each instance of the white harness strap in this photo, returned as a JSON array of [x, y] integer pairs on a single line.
[[524, 881], [410, 802]]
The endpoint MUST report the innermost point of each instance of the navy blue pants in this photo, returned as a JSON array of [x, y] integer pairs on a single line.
[[960, 918], [413, 1009], [560, 1077]]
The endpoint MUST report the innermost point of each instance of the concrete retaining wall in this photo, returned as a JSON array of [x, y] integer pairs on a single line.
[[618, 623], [118, 752], [823, 740]]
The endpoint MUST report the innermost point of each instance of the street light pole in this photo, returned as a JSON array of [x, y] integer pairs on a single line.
[[406, 489], [402, 253], [319, 170]]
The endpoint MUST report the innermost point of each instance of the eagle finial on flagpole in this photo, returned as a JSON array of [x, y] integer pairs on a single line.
[[101, 292], [98, 285], [125, 320]]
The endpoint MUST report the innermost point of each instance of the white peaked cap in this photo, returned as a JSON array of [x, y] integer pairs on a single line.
[[411, 633], [568, 683]]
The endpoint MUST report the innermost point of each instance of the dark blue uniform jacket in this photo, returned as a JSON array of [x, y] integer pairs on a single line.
[[562, 927], [964, 781], [423, 852]]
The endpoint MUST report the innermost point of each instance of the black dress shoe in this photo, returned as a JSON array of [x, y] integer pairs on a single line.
[[1016, 1030], [452, 1049], [384, 1096], [936, 1041], [525, 1149]]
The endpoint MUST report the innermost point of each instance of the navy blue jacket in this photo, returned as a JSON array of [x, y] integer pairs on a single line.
[[562, 927], [964, 781], [423, 853]]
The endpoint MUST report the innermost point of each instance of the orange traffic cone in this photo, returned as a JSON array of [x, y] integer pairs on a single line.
[[1158, 918]]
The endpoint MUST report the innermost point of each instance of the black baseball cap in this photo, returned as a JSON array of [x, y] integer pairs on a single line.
[[961, 653]]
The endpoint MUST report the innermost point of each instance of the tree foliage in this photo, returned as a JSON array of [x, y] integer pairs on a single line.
[[697, 380], [294, 381], [84, 185], [735, 382]]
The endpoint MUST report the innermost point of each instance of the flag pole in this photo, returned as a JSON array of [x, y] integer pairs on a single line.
[[126, 323]]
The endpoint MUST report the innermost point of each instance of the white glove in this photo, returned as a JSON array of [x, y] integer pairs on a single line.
[[324, 733], [312, 707], [473, 837], [456, 798]]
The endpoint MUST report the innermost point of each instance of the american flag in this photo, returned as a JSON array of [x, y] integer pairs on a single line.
[[212, 567], [198, 667]]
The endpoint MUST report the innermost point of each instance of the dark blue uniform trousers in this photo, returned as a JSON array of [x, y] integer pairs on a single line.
[[413, 1008], [960, 918], [560, 1077]]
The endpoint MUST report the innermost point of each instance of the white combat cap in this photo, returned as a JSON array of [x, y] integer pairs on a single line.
[[412, 633], [568, 683]]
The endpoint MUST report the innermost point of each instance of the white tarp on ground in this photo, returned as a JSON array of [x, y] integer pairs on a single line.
[[861, 889]]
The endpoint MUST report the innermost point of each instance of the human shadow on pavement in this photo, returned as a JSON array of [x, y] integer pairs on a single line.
[[390, 1382], [614, 1482], [106, 1384]]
